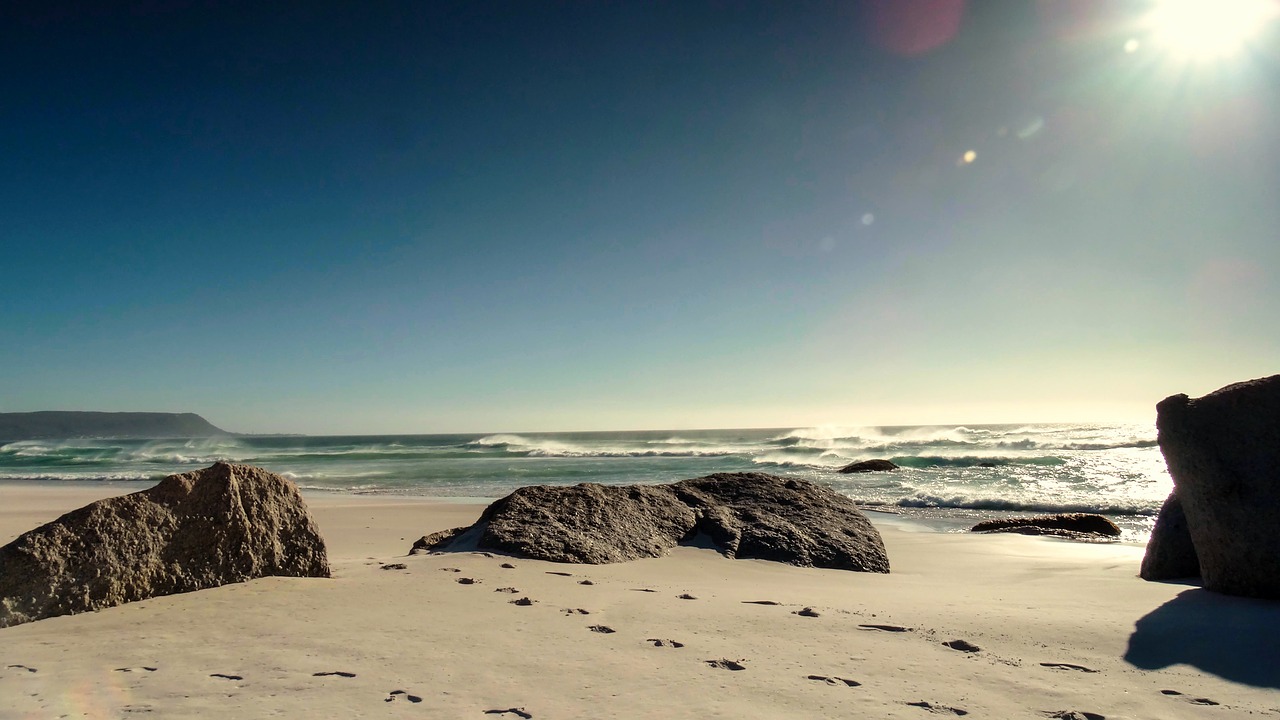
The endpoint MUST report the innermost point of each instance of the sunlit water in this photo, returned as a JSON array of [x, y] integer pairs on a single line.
[[949, 476]]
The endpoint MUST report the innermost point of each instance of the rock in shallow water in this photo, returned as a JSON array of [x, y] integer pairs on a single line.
[[746, 515], [864, 466], [1223, 452], [224, 524], [1069, 525]]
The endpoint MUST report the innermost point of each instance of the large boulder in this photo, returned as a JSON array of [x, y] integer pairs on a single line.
[[1170, 553], [1223, 452], [1077, 526], [746, 515], [224, 524], [588, 523]]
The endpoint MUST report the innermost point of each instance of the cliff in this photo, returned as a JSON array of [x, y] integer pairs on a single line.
[[72, 424]]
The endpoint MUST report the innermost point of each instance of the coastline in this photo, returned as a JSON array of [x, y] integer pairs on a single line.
[[913, 519], [1060, 626]]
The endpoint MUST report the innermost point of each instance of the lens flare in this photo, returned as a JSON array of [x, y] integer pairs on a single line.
[[1203, 30]]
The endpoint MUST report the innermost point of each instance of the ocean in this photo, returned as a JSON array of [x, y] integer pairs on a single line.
[[950, 476]]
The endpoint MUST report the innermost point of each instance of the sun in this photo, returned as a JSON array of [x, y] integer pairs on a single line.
[[1208, 29]]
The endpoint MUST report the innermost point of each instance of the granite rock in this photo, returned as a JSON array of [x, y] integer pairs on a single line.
[[1071, 525], [1170, 553], [1223, 452], [223, 524], [745, 515], [864, 466]]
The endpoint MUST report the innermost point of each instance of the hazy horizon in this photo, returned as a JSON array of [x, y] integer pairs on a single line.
[[820, 426], [336, 218]]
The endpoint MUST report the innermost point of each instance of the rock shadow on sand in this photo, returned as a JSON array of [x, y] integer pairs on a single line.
[[1231, 637]]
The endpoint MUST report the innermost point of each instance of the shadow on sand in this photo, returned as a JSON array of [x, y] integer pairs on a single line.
[[1231, 637]]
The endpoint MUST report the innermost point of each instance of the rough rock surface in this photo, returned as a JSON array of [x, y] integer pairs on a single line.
[[588, 523], [1070, 525], [1223, 451], [223, 524], [863, 466], [1170, 553], [746, 515]]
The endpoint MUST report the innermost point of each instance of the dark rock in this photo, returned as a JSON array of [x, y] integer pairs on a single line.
[[863, 466], [1071, 525], [746, 515], [1170, 553], [1223, 451], [211, 527], [588, 523], [763, 517], [426, 542]]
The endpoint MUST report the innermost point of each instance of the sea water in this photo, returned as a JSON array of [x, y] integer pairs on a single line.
[[949, 475]]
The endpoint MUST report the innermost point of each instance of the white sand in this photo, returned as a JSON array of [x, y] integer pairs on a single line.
[[259, 649]]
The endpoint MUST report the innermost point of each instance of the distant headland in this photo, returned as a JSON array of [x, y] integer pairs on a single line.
[[49, 424]]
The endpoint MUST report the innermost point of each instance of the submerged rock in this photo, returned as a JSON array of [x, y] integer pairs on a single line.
[[746, 515], [1070, 525], [863, 466], [1223, 452], [224, 524], [1170, 553]]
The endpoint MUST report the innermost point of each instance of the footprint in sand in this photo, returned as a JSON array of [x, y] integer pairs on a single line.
[[605, 629], [450, 569], [1067, 666], [143, 668], [507, 590], [576, 611], [1193, 701], [886, 628], [962, 646], [686, 596], [807, 612], [834, 680], [518, 712], [394, 566], [339, 673], [1073, 715], [225, 676], [658, 642], [523, 602], [22, 667], [467, 581], [402, 695], [727, 664], [938, 709]]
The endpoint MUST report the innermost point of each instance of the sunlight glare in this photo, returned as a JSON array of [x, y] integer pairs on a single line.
[[1204, 30]]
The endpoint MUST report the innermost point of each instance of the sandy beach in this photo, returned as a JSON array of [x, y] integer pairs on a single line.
[[1044, 627]]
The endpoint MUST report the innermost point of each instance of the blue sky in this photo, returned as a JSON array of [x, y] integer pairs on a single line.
[[418, 217]]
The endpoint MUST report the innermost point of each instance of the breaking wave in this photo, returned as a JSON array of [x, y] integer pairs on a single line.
[[961, 502]]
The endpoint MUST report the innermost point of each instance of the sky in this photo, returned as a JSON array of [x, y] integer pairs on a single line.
[[402, 217]]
